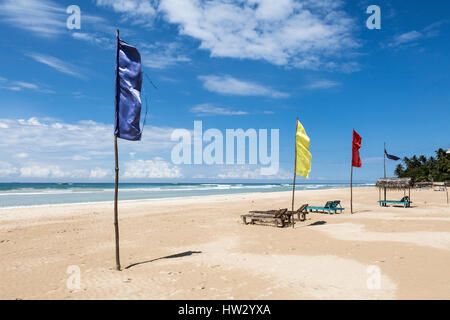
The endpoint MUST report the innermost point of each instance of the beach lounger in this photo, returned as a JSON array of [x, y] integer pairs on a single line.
[[405, 201], [277, 217], [301, 212], [330, 207]]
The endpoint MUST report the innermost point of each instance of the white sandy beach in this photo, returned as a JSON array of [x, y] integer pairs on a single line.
[[215, 256]]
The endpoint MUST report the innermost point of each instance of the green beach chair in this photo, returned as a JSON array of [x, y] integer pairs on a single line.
[[330, 207], [405, 201]]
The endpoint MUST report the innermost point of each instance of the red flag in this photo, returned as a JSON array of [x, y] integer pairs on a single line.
[[356, 144]]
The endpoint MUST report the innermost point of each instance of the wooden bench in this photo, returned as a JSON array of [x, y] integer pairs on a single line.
[[279, 217], [301, 213]]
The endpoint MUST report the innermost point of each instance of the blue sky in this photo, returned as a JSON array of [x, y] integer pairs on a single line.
[[244, 64]]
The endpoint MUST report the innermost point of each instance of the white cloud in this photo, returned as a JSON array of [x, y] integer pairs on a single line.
[[57, 149], [42, 171], [413, 37], [7, 169], [26, 85], [136, 11], [44, 18], [406, 38], [94, 38], [21, 155], [99, 173], [13, 85], [207, 109], [155, 168], [33, 121], [37, 136], [80, 158], [433, 29], [241, 173], [57, 64], [231, 86], [298, 33], [162, 55], [304, 34], [322, 84], [249, 172], [158, 55]]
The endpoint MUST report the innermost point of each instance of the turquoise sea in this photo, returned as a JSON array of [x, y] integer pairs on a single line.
[[31, 194]]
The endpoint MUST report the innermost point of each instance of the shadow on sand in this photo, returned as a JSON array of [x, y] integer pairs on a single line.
[[178, 255], [317, 223]]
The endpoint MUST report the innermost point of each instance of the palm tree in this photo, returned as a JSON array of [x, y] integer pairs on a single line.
[[399, 171], [423, 169]]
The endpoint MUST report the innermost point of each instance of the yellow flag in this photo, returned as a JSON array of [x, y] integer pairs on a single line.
[[303, 157]]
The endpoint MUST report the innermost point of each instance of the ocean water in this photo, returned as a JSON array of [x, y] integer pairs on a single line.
[[32, 194]]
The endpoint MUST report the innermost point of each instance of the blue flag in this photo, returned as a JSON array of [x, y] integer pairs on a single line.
[[390, 156], [128, 92]]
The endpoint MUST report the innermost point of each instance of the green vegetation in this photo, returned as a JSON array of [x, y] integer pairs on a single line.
[[422, 169]]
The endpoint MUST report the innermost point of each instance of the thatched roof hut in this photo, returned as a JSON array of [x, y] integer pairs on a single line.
[[423, 184], [430, 184], [395, 183]]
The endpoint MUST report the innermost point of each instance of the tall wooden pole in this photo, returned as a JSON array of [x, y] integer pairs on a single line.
[[351, 178], [295, 172], [116, 213], [351, 188], [446, 190], [116, 187], [384, 154]]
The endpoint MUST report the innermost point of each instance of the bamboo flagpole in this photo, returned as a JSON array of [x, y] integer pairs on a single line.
[[351, 178], [356, 162], [127, 111], [116, 213], [446, 190], [384, 154], [351, 189], [302, 164], [116, 157], [295, 172]]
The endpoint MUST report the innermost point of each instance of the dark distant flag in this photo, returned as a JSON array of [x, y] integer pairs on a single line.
[[390, 156], [356, 144], [128, 92]]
